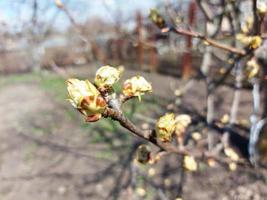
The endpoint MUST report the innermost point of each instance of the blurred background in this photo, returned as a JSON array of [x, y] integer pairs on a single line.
[[47, 151], [38, 34]]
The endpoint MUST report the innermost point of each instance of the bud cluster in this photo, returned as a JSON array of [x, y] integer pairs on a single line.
[[168, 124], [106, 77], [252, 68], [253, 42], [84, 96], [157, 19], [136, 87], [87, 97]]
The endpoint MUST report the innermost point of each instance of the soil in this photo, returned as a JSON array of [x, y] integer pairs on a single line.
[[45, 154]]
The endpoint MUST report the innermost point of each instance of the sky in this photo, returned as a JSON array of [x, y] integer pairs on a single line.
[[14, 13]]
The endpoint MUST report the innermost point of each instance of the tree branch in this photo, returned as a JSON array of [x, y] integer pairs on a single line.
[[150, 136], [210, 41]]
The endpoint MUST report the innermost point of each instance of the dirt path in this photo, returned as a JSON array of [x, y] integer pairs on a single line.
[[43, 155]]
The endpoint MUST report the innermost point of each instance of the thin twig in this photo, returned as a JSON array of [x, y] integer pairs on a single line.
[[209, 41]]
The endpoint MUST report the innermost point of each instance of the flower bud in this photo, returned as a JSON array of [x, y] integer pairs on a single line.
[[84, 96], [255, 42], [225, 119], [165, 127], [182, 121], [141, 192], [252, 41], [252, 68], [229, 152], [247, 25], [156, 18], [261, 8], [196, 136], [211, 162], [143, 154], [189, 163], [136, 86], [106, 77]]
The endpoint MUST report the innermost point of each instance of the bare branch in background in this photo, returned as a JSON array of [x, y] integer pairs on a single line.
[[209, 41]]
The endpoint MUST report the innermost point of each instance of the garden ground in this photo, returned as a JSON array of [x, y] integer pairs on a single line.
[[48, 152]]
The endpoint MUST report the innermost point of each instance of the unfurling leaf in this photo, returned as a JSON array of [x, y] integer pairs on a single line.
[[165, 127], [106, 77], [157, 19], [84, 96], [252, 41], [141, 191], [252, 68], [181, 121], [136, 86], [151, 171]]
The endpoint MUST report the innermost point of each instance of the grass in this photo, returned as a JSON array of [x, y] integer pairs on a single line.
[[48, 81], [55, 85], [107, 155], [29, 153], [18, 78]]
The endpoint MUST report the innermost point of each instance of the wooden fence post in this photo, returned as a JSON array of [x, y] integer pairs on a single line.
[[187, 56], [140, 49]]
